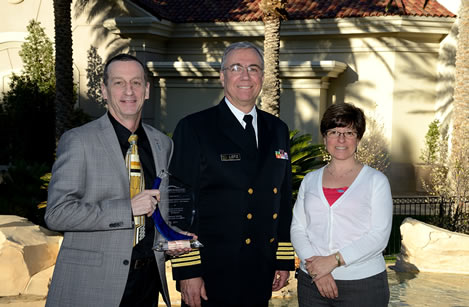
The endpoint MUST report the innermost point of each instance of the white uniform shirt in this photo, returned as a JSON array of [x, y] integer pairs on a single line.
[[240, 115]]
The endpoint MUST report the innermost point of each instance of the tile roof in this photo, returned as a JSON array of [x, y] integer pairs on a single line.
[[183, 11]]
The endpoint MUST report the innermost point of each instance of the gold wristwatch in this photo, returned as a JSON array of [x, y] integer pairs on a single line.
[[337, 257]]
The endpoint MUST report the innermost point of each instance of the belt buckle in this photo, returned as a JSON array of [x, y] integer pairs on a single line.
[[139, 263]]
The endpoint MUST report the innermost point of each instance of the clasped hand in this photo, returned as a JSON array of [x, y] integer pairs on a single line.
[[144, 203], [321, 267]]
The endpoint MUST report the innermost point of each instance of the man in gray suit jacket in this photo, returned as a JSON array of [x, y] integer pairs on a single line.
[[89, 200]]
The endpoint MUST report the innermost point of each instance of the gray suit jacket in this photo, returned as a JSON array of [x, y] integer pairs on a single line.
[[89, 201]]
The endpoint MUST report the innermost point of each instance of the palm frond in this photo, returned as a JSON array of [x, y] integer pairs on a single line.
[[305, 157]]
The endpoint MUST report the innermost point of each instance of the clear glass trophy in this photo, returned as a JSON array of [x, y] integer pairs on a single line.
[[177, 199]]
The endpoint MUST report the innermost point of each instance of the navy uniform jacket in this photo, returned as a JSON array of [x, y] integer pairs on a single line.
[[243, 202]]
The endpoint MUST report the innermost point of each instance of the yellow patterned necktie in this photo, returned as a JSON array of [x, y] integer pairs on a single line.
[[137, 184]]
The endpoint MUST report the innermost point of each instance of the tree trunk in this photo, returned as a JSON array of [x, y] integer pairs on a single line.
[[271, 89], [63, 65], [461, 90], [459, 159], [274, 11], [460, 114]]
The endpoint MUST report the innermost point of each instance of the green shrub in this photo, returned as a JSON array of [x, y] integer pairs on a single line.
[[431, 148], [27, 128], [22, 188], [29, 117], [305, 157], [449, 180], [373, 148]]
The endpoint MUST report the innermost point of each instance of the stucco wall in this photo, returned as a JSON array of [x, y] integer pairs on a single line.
[[392, 68], [14, 17]]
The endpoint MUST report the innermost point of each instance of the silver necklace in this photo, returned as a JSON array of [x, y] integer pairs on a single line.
[[328, 167]]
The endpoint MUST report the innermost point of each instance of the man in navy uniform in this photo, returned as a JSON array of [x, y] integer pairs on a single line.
[[236, 158]]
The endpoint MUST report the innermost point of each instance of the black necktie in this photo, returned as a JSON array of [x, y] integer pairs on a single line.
[[250, 134]]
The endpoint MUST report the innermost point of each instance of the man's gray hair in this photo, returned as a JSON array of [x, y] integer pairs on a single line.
[[242, 45]]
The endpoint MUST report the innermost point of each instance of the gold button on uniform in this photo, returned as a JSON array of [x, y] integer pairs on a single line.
[[272, 240], [275, 216], [250, 191], [275, 190], [249, 216], [248, 241]]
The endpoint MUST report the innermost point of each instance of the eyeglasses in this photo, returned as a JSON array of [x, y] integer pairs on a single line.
[[238, 69], [334, 134]]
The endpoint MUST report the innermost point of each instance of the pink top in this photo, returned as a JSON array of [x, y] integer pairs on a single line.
[[333, 194]]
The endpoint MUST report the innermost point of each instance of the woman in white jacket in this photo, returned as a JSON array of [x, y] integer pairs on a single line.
[[342, 221]]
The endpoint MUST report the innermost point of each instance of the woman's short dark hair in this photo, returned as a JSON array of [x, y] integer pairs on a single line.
[[343, 115]]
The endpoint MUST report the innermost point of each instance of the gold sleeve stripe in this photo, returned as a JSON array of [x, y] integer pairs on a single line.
[[176, 265], [188, 259], [188, 255], [185, 259], [285, 253], [286, 257], [193, 253]]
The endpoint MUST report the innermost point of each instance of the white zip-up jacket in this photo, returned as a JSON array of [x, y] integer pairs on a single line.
[[357, 225]]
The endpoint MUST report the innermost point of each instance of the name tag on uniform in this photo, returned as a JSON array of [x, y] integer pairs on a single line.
[[230, 157]]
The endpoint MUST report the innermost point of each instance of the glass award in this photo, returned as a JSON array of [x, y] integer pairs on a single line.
[[179, 204]]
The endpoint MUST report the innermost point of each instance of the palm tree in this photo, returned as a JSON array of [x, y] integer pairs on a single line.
[[456, 177], [460, 114], [273, 12], [63, 66], [459, 160]]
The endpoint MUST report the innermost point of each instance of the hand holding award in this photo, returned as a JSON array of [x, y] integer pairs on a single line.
[[180, 209]]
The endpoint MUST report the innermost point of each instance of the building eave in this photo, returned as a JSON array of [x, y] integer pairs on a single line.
[[129, 26], [434, 27], [288, 69]]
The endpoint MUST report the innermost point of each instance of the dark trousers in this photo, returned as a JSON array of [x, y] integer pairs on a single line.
[[143, 284], [212, 303], [368, 292]]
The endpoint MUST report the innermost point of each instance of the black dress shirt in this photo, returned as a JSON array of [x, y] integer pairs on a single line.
[[144, 248]]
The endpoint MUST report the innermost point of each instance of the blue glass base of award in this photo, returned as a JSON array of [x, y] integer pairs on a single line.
[[179, 198]]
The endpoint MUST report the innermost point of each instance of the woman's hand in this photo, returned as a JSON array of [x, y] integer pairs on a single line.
[[327, 286], [320, 266]]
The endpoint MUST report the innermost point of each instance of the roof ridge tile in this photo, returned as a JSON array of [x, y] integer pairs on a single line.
[[183, 11]]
